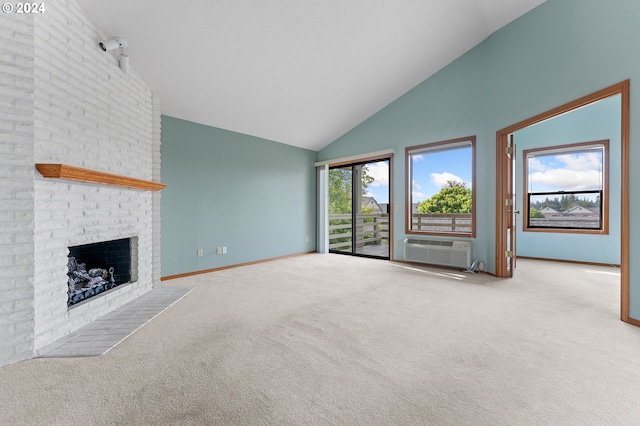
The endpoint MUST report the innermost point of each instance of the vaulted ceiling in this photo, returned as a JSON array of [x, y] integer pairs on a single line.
[[299, 72]]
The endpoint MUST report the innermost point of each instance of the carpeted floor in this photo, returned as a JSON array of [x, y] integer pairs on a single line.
[[329, 339]]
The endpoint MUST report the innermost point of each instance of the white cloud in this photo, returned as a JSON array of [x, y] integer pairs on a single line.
[[441, 179], [567, 180], [535, 165], [577, 172], [380, 172], [418, 196], [415, 192], [581, 162]]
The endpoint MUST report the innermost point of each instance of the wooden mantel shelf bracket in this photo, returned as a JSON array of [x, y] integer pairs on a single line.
[[64, 171]]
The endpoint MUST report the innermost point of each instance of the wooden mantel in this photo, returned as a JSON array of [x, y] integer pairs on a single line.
[[64, 171]]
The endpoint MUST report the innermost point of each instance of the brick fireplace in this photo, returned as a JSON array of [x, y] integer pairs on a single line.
[[72, 105], [85, 213]]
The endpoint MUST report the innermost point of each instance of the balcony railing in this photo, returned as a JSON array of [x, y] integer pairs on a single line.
[[441, 222], [371, 229]]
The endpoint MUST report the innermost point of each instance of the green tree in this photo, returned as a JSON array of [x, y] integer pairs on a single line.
[[340, 181], [454, 197], [340, 193], [535, 213], [340, 185], [565, 202]]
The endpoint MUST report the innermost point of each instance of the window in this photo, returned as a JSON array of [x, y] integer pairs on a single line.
[[441, 188], [566, 188]]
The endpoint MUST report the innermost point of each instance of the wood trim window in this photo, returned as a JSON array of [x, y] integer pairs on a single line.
[[441, 188], [566, 188]]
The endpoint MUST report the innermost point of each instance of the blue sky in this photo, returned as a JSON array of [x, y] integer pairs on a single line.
[[431, 172]]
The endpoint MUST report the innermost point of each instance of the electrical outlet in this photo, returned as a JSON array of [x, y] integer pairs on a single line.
[[224, 250], [306, 238], [218, 250], [397, 244], [200, 252]]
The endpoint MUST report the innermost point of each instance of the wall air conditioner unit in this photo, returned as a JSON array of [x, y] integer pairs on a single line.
[[438, 252]]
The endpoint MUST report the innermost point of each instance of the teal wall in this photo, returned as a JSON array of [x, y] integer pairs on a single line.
[[254, 196], [558, 52], [597, 121]]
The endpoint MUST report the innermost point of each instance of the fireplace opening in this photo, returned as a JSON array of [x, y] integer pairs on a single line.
[[97, 267]]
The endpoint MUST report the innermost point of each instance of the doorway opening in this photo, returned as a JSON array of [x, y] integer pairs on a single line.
[[359, 216], [505, 188]]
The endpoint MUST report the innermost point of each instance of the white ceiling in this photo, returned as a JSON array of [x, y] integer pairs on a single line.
[[300, 72]]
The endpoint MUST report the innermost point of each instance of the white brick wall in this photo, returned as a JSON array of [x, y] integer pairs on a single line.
[[63, 100], [16, 188], [156, 195], [88, 113]]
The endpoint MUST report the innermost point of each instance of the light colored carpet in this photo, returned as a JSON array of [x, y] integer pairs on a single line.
[[330, 339]]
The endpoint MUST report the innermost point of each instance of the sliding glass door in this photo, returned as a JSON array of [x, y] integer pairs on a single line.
[[359, 209]]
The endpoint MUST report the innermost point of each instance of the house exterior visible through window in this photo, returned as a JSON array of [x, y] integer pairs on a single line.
[[441, 188], [566, 188]]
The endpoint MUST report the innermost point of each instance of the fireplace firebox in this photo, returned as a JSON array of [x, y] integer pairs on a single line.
[[98, 267]]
